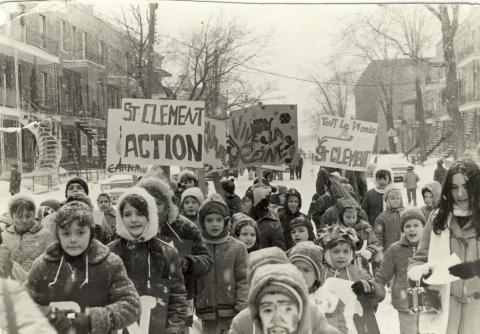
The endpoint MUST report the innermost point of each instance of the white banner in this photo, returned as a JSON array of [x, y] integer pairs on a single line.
[[154, 132], [345, 143]]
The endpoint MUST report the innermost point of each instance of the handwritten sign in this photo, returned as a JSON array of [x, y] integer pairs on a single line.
[[215, 145], [344, 143], [265, 134], [154, 132]]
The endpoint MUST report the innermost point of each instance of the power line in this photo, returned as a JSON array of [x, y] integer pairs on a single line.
[[291, 77]]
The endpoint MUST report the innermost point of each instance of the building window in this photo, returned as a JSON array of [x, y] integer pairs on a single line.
[[44, 87], [43, 30], [101, 51], [74, 39]]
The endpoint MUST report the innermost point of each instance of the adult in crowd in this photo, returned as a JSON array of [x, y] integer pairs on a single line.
[[454, 228], [440, 172]]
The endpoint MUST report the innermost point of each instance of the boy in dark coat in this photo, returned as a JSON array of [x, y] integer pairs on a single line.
[[291, 210], [151, 264], [233, 201], [373, 200], [80, 269]]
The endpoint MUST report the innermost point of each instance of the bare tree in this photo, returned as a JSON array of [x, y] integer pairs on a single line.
[[448, 17], [409, 31], [214, 60]]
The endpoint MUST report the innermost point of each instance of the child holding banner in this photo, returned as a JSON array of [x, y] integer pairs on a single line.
[[340, 244], [152, 265]]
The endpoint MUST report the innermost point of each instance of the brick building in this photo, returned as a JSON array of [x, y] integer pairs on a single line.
[[64, 67]]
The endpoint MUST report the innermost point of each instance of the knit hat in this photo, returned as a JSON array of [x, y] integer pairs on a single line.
[[152, 229], [229, 185], [186, 175], [155, 172], [388, 189], [302, 221], [17, 199], [309, 252], [240, 220], [411, 213], [264, 256], [74, 211], [78, 180], [162, 193], [344, 203], [280, 278], [194, 192], [80, 197], [52, 204], [293, 192], [334, 234], [214, 204]]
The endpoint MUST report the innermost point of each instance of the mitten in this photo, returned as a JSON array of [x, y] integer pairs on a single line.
[[81, 323], [365, 253], [58, 319], [362, 288], [417, 272], [466, 270]]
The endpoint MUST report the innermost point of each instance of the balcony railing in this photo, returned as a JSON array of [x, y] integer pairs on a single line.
[[80, 54], [468, 50]]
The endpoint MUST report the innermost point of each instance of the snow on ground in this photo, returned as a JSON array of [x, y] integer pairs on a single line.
[[386, 315]]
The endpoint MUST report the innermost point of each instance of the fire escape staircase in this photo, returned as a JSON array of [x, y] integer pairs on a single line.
[[88, 127]]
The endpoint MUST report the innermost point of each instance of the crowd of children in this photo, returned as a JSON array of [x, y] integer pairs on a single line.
[[166, 255]]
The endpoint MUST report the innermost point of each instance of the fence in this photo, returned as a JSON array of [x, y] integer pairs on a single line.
[[90, 175]]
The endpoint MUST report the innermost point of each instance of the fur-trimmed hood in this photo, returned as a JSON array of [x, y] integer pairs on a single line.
[[435, 188], [152, 229], [161, 192]]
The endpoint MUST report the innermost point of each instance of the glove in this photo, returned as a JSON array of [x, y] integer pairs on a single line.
[[378, 257], [58, 319], [362, 288], [416, 273], [466, 270], [81, 323]]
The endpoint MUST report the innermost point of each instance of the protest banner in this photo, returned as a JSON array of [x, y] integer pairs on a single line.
[[215, 145], [344, 143], [263, 134], [154, 132]]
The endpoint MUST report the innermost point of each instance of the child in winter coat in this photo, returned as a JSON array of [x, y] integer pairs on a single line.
[[186, 179], [410, 183], [395, 263], [349, 217], [374, 198], [431, 197], [340, 244], [270, 228], [78, 268], [387, 224], [308, 258], [222, 292], [293, 201], [151, 264], [278, 302], [233, 201], [104, 202], [245, 229], [301, 229], [191, 200], [25, 239]]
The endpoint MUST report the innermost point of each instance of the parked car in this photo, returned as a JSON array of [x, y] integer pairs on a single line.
[[116, 185], [397, 162]]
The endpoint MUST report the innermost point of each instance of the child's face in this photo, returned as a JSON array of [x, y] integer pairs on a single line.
[[395, 199], [307, 271], [104, 203], [191, 206], [189, 184], [382, 182], [299, 233], [279, 314], [134, 220], [246, 205], [74, 188], [248, 236], [413, 230], [74, 239], [341, 255], [350, 216], [460, 191], [214, 224], [23, 220], [293, 203], [428, 198]]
